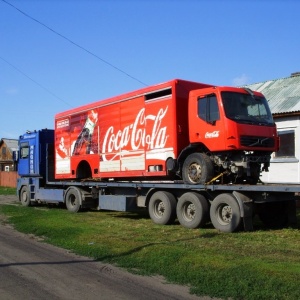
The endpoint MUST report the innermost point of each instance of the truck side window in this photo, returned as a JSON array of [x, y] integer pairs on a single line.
[[24, 150], [208, 109]]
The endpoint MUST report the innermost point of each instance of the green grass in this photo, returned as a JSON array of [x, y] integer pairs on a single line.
[[264, 264], [7, 190]]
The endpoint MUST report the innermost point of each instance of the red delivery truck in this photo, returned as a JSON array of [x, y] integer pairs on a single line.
[[177, 129]]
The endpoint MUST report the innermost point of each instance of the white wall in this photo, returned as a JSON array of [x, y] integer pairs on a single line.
[[285, 169]]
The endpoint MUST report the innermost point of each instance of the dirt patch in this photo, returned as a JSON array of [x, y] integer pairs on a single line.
[[8, 199]]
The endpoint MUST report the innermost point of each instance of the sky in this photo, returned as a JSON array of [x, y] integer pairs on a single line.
[[61, 54]]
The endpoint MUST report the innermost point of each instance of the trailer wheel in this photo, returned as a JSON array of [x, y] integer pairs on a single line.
[[24, 196], [162, 208], [197, 169], [73, 199], [225, 213], [192, 210]]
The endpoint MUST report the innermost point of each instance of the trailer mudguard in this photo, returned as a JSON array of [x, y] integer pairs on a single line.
[[246, 208]]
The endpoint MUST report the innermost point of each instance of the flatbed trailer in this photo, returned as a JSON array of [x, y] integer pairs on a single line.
[[229, 207]]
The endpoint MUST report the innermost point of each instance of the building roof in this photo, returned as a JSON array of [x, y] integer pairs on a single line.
[[282, 94], [11, 144]]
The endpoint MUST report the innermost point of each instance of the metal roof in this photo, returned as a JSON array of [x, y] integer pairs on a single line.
[[11, 144], [282, 94]]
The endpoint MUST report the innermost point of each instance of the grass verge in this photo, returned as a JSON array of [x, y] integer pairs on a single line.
[[7, 190], [264, 264]]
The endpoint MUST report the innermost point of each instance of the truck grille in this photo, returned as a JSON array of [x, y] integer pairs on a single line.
[[257, 141]]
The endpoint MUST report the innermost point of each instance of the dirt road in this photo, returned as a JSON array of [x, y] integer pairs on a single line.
[[31, 269]]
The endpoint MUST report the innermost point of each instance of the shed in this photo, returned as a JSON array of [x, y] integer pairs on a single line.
[[283, 96]]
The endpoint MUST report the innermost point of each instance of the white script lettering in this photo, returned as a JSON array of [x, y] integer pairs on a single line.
[[137, 135], [210, 135]]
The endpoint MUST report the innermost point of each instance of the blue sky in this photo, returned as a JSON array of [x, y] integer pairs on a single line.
[[149, 41]]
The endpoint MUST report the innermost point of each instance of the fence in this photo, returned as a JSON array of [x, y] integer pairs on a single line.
[[8, 179]]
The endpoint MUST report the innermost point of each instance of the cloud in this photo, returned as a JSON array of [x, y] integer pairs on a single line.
[[241, 80]]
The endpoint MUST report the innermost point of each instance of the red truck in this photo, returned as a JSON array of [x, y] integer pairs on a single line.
[[177, 129]]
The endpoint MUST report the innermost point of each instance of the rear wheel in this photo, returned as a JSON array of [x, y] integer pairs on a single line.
[[24, 196], [162, 208], [225, 213], [73, 199], [197, 169], [192, 210]]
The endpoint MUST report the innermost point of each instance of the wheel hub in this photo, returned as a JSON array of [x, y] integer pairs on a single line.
[[160, 209], [226, 214], [194, 172], [190, 211]]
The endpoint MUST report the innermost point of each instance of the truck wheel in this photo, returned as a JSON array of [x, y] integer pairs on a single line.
[[162, 208], [192, 210], [73, 199], [197, 169], [25, 196], [225, 213]]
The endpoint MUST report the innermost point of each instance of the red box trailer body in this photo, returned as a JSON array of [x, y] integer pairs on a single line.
[[151, 133]]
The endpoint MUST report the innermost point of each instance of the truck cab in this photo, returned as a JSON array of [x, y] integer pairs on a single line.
[[32, 152], [234, 130]]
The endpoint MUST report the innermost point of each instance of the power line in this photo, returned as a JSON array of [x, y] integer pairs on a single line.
[[75, 44], [44, 88]]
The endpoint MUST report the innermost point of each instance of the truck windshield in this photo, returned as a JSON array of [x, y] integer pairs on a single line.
[[245, 108]]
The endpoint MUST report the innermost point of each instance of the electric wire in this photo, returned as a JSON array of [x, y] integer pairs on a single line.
[[40, 85], [75, 44]]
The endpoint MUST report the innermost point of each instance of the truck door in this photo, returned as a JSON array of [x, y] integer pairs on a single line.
[[206, 122], [27, 161], [23, 164]]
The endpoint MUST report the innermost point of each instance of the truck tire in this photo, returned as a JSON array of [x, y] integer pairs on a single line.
[[24, 196], [197, 169], [162, 208], [192, 210], [225, 213], [73, 199]]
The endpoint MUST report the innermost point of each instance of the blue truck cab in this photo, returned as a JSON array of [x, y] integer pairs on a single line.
[[33, 152], [36, 167]]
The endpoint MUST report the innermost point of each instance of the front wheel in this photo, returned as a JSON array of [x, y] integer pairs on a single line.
[[225, 213], [197, 169], [192, 210], [24, 196], [162, 208]]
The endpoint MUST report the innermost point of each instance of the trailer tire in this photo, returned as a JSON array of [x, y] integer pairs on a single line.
[[73, 199], [225, 213], [197, 169], [162, 208], [24, 196], [192, 210]]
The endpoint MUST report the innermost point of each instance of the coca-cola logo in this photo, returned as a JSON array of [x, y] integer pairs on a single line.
[[213, 134], [135, 136]]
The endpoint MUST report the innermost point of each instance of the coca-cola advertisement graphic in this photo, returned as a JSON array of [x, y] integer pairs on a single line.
[[121, 141]]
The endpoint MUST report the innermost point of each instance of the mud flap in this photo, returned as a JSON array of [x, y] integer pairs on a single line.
[[246, 207]]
